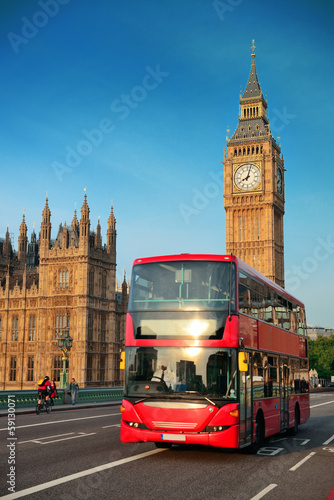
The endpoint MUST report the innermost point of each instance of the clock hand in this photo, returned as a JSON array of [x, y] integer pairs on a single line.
[[248, 174]]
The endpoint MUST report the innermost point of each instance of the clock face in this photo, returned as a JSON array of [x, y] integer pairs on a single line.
[[279, 180], [247, 177]]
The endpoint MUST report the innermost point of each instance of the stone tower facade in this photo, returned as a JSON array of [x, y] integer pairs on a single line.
[[254, 187], [69, 282]]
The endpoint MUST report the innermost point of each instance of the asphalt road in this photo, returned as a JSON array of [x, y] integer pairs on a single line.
[[77, 454]]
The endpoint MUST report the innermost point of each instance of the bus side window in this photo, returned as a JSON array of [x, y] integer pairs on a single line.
[[257, 376], [244, 299]]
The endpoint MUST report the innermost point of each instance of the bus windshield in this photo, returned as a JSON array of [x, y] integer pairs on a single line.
[[182, 285], [195, 372]]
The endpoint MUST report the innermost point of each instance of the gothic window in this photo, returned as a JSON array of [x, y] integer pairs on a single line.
[[102, 369], [31, 362], [12, 373], [242, 129], [32, 328], [235, 152], [90, 326], [103, 327], [57, 368], [15, 328], [62, 320], [89, 368], [91, 283], [63, 278]]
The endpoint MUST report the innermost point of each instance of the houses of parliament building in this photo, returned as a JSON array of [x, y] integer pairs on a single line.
[[49, 285]]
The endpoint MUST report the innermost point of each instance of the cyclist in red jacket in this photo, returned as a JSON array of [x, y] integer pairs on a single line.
[[44, 391]]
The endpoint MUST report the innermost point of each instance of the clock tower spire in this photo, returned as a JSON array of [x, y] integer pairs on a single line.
[[254, 186]]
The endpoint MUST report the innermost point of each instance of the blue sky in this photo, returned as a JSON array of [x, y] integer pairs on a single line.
[[132, 101]]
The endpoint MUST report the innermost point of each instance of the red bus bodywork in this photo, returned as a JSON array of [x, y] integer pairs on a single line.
[[199, 422]]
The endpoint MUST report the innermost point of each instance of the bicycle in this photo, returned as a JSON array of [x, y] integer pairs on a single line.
[[45, 406]]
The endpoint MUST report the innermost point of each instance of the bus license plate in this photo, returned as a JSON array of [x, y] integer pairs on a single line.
[[173, 437]]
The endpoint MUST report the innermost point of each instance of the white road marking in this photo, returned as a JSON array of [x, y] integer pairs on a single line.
[[60, 421], [81, 435], [114, 425], [263, 492], [78, 475], [329, 440], [269, 452], [321, 404], [304, 442], [46, 437], [302, 461]]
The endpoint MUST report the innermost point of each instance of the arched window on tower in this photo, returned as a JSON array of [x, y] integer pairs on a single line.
[[63, 278]]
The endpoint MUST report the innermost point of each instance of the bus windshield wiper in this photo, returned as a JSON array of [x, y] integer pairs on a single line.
[[186, 393]]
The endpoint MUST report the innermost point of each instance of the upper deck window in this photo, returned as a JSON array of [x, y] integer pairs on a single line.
[[182, 285]]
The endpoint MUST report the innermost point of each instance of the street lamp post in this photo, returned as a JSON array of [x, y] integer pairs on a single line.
[[64, 343]]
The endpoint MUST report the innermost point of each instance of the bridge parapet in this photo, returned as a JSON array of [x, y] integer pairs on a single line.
[[91, 395]]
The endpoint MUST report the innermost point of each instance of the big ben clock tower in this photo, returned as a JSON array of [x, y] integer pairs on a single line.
[[254, 187]]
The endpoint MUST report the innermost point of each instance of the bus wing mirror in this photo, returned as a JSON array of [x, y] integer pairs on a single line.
[[243, 362], [122, 361]]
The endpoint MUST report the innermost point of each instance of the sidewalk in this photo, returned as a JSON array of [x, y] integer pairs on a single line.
[[62, 407]]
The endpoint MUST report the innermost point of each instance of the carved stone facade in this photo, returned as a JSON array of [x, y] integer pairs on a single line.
[[51, 284], [254, 187]]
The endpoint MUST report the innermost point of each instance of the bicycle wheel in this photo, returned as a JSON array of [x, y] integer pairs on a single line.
[[48, 407]]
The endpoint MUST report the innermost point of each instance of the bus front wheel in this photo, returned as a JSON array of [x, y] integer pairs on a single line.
[[294, 430], [259, 435]]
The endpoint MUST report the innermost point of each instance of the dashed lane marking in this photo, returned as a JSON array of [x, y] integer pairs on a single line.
[[302, 461], [264, 492]]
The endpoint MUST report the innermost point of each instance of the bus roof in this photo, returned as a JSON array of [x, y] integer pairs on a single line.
[[221, 258]]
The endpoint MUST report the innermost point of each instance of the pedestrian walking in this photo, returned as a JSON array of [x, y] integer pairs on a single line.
[[74, 389]]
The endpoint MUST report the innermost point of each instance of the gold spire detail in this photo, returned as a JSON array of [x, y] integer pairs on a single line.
[[253, 50]]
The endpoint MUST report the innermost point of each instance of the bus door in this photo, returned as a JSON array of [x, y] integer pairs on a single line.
[[284, 392], [245, 398]]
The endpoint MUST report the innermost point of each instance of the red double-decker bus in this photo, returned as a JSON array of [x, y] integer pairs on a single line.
[[216, 354]]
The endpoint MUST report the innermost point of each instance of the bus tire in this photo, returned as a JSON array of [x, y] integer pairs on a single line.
[[293, 431], [259, 435]]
